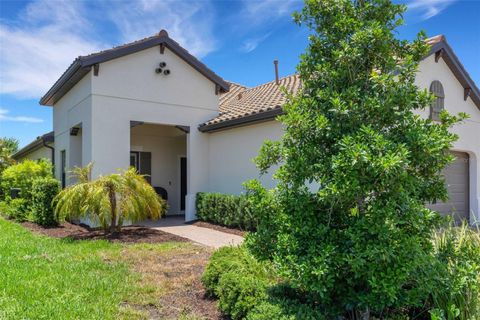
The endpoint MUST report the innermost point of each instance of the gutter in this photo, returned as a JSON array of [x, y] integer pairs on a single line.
[[44, 142]]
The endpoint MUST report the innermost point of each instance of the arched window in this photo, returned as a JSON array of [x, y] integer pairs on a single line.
[[437, 106]]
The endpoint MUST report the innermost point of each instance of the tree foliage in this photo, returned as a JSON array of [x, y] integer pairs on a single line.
[[347, 222], [109, 200], [22, 175], [8, 146]]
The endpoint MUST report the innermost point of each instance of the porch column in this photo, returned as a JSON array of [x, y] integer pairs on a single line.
[[197, 169]]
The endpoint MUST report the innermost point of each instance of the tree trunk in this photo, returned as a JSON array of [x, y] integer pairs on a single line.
[[363, 314], [113, 208]]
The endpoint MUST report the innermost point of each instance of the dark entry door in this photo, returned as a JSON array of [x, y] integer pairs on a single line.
[[183, 182]]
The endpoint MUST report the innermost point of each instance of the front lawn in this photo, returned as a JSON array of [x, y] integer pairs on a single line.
[[47, 278]]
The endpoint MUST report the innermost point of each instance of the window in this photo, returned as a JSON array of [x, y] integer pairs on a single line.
[[437, 106], [142, 162], [63, 163]]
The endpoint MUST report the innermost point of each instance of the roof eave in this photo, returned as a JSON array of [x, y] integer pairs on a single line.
[[34, 145], [457, 68], [47, 99], [241, 121], [82, 65]]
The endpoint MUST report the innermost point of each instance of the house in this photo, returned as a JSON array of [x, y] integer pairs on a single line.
[[152, 105]]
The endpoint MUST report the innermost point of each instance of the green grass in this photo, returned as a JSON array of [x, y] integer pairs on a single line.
[[45, 278]]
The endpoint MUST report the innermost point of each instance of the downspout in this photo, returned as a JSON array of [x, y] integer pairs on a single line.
[[53, 154]]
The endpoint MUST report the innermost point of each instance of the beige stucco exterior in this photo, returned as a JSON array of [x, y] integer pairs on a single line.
[[231, 156]]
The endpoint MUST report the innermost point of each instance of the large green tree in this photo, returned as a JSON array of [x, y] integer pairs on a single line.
[[347, 224]]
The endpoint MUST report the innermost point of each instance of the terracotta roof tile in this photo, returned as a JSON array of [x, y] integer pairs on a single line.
[[241, 101]]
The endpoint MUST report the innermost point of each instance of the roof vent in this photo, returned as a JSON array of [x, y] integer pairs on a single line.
[[275, 62]]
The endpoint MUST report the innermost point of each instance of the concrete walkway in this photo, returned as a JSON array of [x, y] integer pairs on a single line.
[[211, 238]]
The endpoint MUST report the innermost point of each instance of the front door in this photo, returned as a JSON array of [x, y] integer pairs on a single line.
[[183, 182]]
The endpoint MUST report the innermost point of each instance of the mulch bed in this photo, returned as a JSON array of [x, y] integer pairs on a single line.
[[127, 235], [217, 227]]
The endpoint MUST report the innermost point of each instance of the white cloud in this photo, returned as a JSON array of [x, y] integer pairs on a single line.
[[48, 35], [429, 8], [189, 23], [252, 43], [260, 18], [267, 11], [5, 117], [38, 49]]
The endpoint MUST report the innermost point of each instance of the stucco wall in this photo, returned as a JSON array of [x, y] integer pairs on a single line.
[[231, 153], [73, 109], [167, 145], [468, 131]]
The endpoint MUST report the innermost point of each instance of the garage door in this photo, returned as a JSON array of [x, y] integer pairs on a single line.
[[456, 176]]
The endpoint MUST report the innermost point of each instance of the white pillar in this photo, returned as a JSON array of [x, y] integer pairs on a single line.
[[197, 169]]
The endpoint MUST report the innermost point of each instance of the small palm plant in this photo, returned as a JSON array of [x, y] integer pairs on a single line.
[[109, 200]]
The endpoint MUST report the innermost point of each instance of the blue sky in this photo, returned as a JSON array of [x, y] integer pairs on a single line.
[[237, 39]]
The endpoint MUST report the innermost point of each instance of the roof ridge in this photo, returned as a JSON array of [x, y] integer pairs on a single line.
[[237, 84], [271, 82], [119, 46]]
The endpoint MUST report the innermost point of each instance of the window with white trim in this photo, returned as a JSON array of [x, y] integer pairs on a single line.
[[438, 104]]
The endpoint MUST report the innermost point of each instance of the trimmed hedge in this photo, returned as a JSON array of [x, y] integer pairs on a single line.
[[44, 191], [227, 210]]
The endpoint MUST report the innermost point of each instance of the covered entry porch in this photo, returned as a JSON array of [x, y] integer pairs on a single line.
[[160, 153]]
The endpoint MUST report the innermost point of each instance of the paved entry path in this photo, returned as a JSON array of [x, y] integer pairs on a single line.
[[208, 237]]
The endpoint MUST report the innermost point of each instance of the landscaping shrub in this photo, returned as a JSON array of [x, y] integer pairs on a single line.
[[239, 291], [227, 210], [22, 175], [222, 261], [44, 190], [16, 209], [457, 288], [238, 280], [283, 309], [109, 200]]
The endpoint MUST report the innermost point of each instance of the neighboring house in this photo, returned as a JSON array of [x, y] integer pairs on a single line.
[[40, 148], [152, 105]]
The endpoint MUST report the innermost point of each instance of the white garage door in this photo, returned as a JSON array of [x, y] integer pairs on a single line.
[[456, 176]]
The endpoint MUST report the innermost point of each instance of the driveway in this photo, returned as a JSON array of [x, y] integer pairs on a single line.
[[208, 237]]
